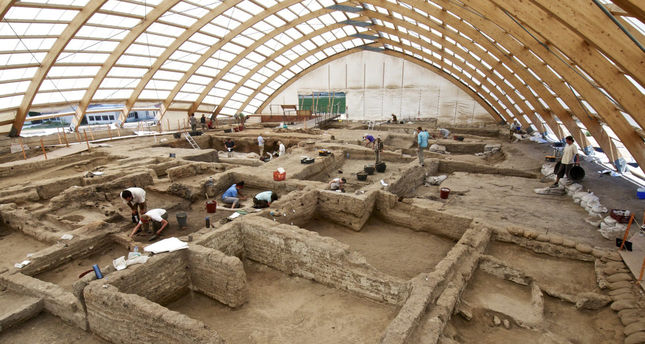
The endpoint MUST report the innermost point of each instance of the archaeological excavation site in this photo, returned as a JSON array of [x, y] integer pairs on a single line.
[[322, 172]]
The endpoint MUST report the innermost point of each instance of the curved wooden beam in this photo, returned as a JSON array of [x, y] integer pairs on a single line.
[[580, 52], [135, 32], [70, 30], [205, 56], [589, 22], [603, 105]]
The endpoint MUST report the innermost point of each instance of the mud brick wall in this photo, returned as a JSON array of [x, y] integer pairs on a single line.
[[162, 279], [434, 295], [321, 164], [53, 187], [227, 239], [419, 215], [140, 179], [298, 206], [54, 256], [161, 168], [457, 147], [449, 166], [413, 177], [217, 275], [206, 155], [193, 169], [56, 300], [297, 251], [348, 210], [126, 318]]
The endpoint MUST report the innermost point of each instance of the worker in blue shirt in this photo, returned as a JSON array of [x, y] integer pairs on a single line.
[[422, 142], [233, 195]]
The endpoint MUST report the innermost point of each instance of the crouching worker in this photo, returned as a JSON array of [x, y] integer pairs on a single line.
[[159, 219], [233, 195], [337, 184], [135, 198], [264, 199]]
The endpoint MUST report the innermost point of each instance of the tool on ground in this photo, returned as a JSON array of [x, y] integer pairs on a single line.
[[97, 271]]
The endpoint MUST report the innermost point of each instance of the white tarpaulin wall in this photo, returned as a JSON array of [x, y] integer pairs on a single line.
[[377, 85]]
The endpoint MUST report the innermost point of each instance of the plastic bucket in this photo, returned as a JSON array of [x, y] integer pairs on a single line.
[[444, 192], [211, 206], [577, 173], [640, 193], [369, 169], [181, 219], [362, 176], [380, 167]]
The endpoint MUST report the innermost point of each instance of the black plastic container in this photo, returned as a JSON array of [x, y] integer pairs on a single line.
[[369, 169], [380, 167], [362, 176]]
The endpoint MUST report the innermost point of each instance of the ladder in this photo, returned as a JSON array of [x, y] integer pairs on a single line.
[[191, 140]]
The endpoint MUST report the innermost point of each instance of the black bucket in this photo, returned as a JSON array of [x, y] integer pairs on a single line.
[[380, 167], [577, 173], [369, 169], [362, 176], [181, 219]]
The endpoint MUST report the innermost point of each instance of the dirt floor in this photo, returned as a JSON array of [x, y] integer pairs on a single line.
[[15, 246], [392, 249], [48, 329], [504, 200], [564, 275], [283, 309], [490, 296], [66, 275]]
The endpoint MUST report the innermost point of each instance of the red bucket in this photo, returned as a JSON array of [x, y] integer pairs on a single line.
[[444, 192], [277, 176], [211, 206]]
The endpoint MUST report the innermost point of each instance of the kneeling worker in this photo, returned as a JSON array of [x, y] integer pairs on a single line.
[[159, 219], [337, 184], [264, 199], [135, 198], [233, 195]]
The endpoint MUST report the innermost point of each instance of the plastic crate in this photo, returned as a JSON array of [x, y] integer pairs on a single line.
[[277, 176]]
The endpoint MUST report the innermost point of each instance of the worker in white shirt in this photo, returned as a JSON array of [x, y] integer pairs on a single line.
[[261, 145], [568, 160], [281, 149], [159, 220], [264, 199], [135, 198]]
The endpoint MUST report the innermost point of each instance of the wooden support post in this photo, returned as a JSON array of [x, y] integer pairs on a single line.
[[109, 132], [640, 276], [168, 124], [65, 137], [58, 135], [23, 149], [42, 145], [78, 136], [86, 141], [622, 244], [91, 133], [178, 125], [118, 131]]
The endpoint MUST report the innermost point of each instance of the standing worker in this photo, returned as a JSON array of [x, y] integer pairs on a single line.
[[378, 148], [159, 219], [568, 160], [193, 122], [135, 198], [281, 149], [203, 121], [230, 145], [422, 142], [261, 145]]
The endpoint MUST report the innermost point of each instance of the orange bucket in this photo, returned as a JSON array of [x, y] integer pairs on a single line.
[[444, 192]]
